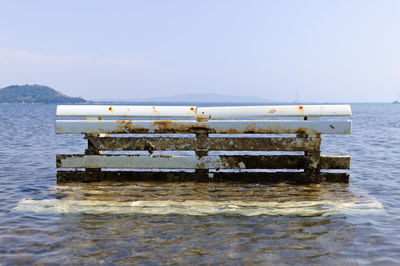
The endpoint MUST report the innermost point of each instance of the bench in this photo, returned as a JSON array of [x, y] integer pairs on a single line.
[[182, 143]]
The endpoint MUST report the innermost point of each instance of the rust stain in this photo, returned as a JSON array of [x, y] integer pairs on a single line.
[[300, 108], [271, 111], [163, 123], [316, 133], [110, 109], [250, 129], [253, 129], [232, 131], [201, 119], [161, 126], [162, 156], [201, 129], [301, 130], [192, 111], [124, 126], [155, 110], [170, 126], [123, 122]]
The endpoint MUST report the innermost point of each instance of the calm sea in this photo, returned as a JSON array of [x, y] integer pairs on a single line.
[[179, 223]]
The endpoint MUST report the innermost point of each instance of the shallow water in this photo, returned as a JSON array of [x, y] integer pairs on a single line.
[[142, 222]]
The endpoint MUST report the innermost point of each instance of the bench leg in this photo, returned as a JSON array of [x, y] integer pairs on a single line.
[[312, 162], [202, 151], [92, 150], [312, 159]]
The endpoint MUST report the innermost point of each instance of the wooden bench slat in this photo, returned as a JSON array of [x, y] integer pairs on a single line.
[[213, 126], [245, 177], [216, 144], [194, 162], [125, 111]]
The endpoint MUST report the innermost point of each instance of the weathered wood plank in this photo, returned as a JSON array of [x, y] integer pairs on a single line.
[[195, 162], [245, 177], [212, 144], [206, 113], [125, 111], [216, 126]]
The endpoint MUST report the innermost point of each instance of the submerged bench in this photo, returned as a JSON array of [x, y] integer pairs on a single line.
[[228, 143]]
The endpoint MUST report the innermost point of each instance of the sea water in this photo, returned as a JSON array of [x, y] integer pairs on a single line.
[[219, 223]]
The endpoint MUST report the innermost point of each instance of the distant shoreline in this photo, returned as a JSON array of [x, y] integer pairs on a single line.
[[35, 94]]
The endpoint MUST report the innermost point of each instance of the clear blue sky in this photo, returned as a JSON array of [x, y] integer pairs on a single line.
[[329, 51]]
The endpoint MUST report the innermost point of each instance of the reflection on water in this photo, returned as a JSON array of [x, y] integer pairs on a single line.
[[156, 223], [203, 199], [203, 222]]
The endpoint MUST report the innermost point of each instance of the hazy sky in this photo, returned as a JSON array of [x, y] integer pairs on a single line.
[[329, 51]]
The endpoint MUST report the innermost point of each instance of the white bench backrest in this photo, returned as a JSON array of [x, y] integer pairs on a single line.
[[208, 118], [203, 112], [125, 111]]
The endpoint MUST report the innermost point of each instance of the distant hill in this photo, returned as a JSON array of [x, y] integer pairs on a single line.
[[35, 94]]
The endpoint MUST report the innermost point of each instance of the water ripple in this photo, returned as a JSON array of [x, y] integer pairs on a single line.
[[202, 223]]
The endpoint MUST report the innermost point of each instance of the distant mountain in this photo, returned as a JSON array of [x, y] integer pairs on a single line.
[[197, 98], [35, 94]]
